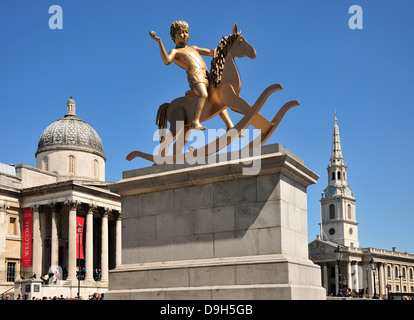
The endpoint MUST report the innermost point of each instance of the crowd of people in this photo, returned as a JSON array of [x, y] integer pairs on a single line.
[[95, 296]]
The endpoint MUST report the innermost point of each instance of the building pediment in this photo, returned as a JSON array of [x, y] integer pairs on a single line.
[[321, 248]]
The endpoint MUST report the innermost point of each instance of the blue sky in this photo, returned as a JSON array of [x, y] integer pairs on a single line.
[[106, 60]]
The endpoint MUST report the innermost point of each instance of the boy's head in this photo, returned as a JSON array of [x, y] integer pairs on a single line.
[[178, 26]]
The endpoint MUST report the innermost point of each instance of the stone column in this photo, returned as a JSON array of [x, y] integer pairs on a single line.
[[349, 275], [89, 243], [104, 245], [72, 206], [336, 279], [370, 277], [37, 261], [118, 236], [356, 276], [325, 277], [381, 280], [54, 253]]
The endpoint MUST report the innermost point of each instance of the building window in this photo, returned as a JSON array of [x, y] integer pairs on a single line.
[[71, 165], [339, 175], [45, 163], [12, 226], [95, 168], [331, 211], [411, 274], [333, 175], [11, 271], [389, 271], [349, 212], [396, 273], [403, 273]]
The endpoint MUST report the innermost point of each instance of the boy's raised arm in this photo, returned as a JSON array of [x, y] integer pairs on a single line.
[[166, 58]]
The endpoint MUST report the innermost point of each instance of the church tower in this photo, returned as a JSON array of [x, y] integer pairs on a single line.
[[338, 214]]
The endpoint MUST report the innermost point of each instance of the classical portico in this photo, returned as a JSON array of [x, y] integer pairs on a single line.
[[55, 208]]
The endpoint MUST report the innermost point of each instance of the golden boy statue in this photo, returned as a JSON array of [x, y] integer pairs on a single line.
[[188, 58]]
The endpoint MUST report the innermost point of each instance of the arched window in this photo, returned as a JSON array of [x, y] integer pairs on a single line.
[[95, 168], [349, 212], [339, 175], [333, 175], [71, 164], [403, 273], [388, 271], [45, 163], [411, 274], [396, 272], [331, 211]]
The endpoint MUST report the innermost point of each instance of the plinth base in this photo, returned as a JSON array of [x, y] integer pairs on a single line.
[[212, 231]]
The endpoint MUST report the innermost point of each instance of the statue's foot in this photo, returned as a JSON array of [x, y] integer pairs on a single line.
[[197, 126]]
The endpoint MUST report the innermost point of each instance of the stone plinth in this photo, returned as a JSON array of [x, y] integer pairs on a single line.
[[212, 232]]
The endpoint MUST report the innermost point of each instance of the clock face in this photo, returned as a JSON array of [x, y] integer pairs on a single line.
[[348, 190], [331, 190]]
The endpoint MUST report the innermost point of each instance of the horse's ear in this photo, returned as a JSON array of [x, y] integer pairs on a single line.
[[235, 29]]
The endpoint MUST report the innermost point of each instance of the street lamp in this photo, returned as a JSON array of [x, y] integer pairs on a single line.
[[79, 230], [372, 264], [338, 254]]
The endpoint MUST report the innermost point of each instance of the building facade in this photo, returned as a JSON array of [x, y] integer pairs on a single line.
[[345, 266], [67, 188]]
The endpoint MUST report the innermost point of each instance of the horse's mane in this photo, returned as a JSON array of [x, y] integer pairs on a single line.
[[219, 58]]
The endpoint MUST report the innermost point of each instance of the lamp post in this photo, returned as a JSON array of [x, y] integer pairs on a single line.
[[372, 264], [79, 230], [400, 276], [338, 255]]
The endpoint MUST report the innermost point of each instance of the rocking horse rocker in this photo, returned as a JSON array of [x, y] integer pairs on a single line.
[[223, 92]]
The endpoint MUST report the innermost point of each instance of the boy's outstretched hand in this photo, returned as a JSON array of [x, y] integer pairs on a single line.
[[153, 36]]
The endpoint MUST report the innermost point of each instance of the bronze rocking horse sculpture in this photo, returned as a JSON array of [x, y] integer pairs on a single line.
[[223, 92]]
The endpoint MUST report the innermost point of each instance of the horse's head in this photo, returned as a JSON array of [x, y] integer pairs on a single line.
[[240, 47]]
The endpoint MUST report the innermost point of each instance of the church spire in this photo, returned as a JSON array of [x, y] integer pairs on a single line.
[[338, 203], [336, 157]]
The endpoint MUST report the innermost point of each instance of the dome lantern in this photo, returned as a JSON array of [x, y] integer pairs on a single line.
[[71, 107]]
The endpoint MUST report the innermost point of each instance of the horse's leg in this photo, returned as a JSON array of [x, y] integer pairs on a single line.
[[224, 115]]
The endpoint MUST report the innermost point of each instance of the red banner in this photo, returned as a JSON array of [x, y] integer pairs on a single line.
[[27, 238], [79, 221]]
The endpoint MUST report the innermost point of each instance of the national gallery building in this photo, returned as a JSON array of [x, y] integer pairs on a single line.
[[65, 206]]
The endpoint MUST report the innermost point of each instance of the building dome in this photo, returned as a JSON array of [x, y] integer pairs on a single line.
[[70, 133]]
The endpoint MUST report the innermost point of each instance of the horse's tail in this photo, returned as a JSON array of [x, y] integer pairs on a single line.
[[161, 120]]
